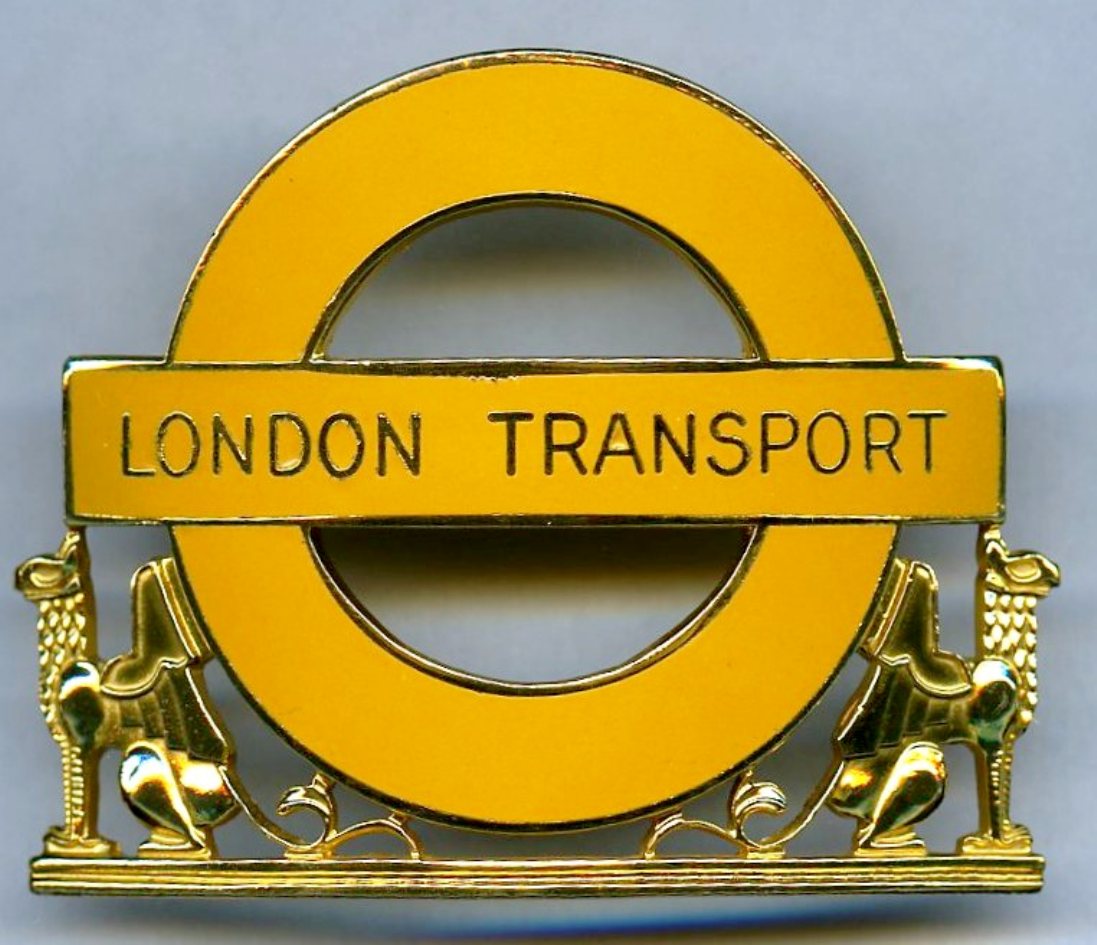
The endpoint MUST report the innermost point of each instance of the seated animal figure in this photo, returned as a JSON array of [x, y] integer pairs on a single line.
[[150, 704], [916, 698]]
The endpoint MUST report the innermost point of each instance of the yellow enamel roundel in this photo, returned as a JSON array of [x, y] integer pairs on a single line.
[[245, 437]]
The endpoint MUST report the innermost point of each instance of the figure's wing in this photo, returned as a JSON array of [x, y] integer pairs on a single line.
[[911, 682], [189, 721], [907, 633], [159, 685], [166, 633]]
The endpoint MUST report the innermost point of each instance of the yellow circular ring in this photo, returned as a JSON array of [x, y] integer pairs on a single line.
[[440, 140]]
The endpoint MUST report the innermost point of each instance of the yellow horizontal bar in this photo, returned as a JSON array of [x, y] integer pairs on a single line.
[[691, 441], [578, 877]]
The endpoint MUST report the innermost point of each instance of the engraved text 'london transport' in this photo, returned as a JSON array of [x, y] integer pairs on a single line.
[[706, 441]]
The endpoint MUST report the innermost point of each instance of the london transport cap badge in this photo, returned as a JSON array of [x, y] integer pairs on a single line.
[[824, 439]]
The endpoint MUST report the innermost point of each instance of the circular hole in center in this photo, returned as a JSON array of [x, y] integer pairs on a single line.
[[543, 604]]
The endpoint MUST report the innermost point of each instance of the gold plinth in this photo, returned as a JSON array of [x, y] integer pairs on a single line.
[[537, 878]]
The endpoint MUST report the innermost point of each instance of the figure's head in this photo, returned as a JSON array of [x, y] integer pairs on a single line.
[[1020, 572], [56, 575]]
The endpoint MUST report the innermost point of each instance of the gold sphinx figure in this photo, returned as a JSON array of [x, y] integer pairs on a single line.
[[150, 704], [917, 697]]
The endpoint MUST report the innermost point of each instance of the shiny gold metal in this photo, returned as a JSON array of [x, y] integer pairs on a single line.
[[318, 798], [149, 704], [537, 877], [823, 440]]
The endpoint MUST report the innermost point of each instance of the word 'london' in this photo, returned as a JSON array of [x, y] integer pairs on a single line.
[[828, 442]]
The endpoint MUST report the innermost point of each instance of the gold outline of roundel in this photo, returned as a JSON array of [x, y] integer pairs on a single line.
[[535, 126]]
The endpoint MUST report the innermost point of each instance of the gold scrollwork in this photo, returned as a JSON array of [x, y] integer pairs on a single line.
[[318, 798]]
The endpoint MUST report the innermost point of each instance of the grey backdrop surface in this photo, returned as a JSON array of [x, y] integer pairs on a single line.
[[959, 138]]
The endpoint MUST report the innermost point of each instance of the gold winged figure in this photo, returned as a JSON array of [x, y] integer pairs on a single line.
[[150, 704], [916, 698]]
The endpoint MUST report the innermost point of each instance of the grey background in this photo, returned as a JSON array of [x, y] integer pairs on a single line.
[[958, 137]]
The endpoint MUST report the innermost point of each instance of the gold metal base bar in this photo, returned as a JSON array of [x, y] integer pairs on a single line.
[[574, 877]]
